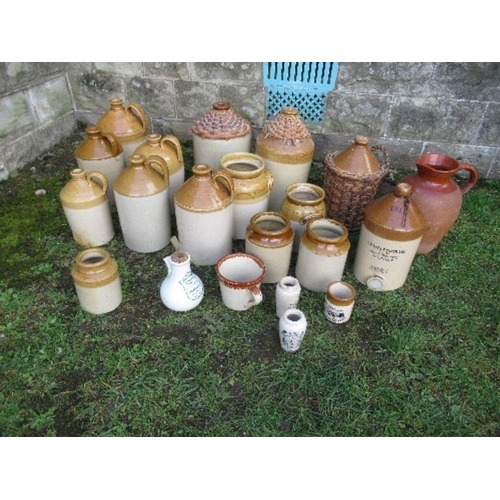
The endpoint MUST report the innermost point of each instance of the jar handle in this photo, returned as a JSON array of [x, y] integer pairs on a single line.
[[116, 148], [472, 177], [257, 296], [159, 165], [137, 110], [220, 175], [175, 142], [102, 181], [384, 152]]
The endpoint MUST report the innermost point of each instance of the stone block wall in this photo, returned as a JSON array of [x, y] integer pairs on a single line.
[[409, 108]]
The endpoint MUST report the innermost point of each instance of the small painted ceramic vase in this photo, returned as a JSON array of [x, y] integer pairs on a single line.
[[97, 281], [303, 202], [287, 294], [323, 250], [219, 132], [339, 301], [252, 185], [103, 153], [292, 329], [269, 236], [85, 205], [141, 194]]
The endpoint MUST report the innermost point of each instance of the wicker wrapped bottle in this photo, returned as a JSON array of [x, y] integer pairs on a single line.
[[103, 153], [352, 178], [288, 149], [128, 123], [219, 132]]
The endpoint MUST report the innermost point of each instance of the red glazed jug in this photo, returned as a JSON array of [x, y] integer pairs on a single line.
[[437, 195]]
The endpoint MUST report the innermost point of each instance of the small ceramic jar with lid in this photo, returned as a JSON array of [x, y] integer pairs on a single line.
[[252, 185], [269, 237], [219, 132]]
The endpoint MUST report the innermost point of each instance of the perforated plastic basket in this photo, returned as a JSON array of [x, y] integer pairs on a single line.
[[302, 85]]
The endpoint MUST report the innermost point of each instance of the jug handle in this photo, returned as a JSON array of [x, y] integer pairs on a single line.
[[102, 181], [116, 148], [226, 179], [384, 152], [257, 296], [175, 142], [161, 167], [472, 177], [137, 110]]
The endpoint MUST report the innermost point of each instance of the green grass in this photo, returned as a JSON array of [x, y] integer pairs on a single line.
[[422, 360]]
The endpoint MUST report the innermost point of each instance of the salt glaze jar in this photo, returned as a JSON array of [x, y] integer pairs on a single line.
[[438, 196], [391, 232], [204, 215], [323, 250], [292, 329], [219, 132], [141, 194], [169, 148], [97, 281], [288, 149], [128, 123], [287, 294], [339, 301], [303, 201], [181, 290], [103, 153], [269, 237], [85, 205], [252, 185]]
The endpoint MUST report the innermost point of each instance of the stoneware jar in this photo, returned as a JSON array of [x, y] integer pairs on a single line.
[[339, 301], [97, 281], [391, 232], [323, 250], [303, 202], [292, 329], [287, 294], [204, 215], [169, 148], [141, 194], [288, 150], [252, 185], [102, 153], [438, 196], [269, 236], [128, 123], [85, 205], [181, 290], [219, 132]]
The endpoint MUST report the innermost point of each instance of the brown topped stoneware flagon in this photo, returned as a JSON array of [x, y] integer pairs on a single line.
[[128, 123], [352, 178], [287, 146], [219, 132], [438, 196]]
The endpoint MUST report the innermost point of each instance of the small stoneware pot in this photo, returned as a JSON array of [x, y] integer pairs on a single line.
[[339, 301], [292, 329], [287, 294]]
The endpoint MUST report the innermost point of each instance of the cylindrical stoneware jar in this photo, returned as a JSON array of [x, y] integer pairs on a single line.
[[85, 205], [219, 132], [141, 194], [339, 301], [302, 203], [288, 150], [323, 250], [169, 148], [292, 329], [204, 215], [128, 123], [102, 153], [287, 294], [252, 185], [390, 235], [97, 281], [269, 236]]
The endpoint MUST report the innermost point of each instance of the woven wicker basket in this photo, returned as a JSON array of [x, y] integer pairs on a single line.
[[348, 193]]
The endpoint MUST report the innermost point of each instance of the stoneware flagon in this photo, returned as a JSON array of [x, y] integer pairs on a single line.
[[438, 196]]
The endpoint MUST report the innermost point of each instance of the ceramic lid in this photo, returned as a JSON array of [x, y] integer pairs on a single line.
[[98, 146], [357, 158], [221, 122], [287, 126]]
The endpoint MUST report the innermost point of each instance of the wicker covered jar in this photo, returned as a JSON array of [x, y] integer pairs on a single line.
[[352, 178], [288, 149], [219, 132]]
